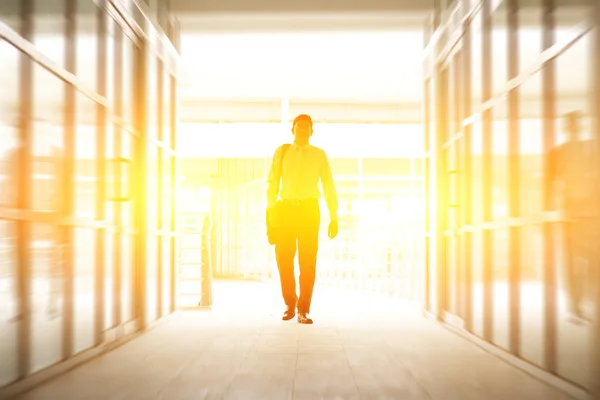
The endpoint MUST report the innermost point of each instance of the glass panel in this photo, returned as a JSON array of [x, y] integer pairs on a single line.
[[499, 50], [151, 276], [152, 88], [576, 238], [477, 277], [127, 278], [8, 300], [9, 125], [46, 295], [530, 34], [152, 246], [9, 14], [127, 179], [531, 148], [85, 159], [84, 269], [500, 265], [110, 60], [128, 240], [532, 294], [570, 14], [477, 172], [109, 281], [48, 28], [9, 139], [450, 103], [167, 195], [128, 82], [48, 137], [166, 275], [477, 218], [500, 161], [167, 117], [87, 43], [476, 60], [531, 170]]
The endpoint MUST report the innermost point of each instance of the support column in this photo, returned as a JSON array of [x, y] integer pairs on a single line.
[[514, 181], [101, 119], [70, 121], [488, 198], [23, 182], [549, 139], [595, 53]]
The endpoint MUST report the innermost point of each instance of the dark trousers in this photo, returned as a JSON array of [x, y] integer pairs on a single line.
[[580, 245], [300, 230]]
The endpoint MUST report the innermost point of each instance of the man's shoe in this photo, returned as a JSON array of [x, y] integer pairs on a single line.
[[290, 312], [303, 319]]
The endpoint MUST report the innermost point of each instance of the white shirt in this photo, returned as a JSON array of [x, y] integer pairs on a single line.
[[303, 166]]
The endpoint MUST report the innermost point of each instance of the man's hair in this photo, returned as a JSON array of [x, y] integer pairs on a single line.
[[303, 117]]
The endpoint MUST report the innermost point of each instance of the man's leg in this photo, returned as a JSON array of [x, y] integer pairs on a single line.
[[571, 264], [285, 252], [308, 246]]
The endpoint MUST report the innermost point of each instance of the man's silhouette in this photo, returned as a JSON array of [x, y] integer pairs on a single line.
[[572, 176], [299, 167]]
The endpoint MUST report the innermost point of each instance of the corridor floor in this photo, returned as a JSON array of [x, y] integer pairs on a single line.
[[361, 346]]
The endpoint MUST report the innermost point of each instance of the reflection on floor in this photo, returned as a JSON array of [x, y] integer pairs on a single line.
[[361, 346]]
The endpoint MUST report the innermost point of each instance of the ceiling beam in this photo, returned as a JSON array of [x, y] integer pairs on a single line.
[[295, 6]]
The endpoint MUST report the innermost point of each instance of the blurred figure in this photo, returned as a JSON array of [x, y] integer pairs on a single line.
[[299, 167], [572, 177]]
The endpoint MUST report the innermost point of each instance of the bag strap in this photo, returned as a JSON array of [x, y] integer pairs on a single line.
[[284, 149]]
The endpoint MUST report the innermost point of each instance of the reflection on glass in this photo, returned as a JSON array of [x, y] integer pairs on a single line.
[[85, 159], [530, 34], [477, 259], [152, 99], [531, 161], [48, 28], [9, 13], [532, 294], [166, 275], [151, 274], [8, 302], [47, 280], [87, 42], [111, 27], [127, 278], [9, 152], [572, 166], [500, 188], [477, 286], [48, 143], [85, 250], [128, 82], [109, 281], [167, 117], [476, 60], [500, 265], [500, 50], [166, 193]]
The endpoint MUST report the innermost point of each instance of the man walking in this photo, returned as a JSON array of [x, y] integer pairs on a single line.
[[297, 169], [572, 174]]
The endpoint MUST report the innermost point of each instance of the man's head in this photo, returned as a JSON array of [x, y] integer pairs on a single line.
[[302, 128], [572, 124]]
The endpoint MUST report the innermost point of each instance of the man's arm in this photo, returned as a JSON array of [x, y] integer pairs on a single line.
[[274, 178], [329, 189]]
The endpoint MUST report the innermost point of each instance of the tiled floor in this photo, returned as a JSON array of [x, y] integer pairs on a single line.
[[361, 347]]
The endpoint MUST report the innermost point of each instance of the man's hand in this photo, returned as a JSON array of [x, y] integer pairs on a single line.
[[333, 229]]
